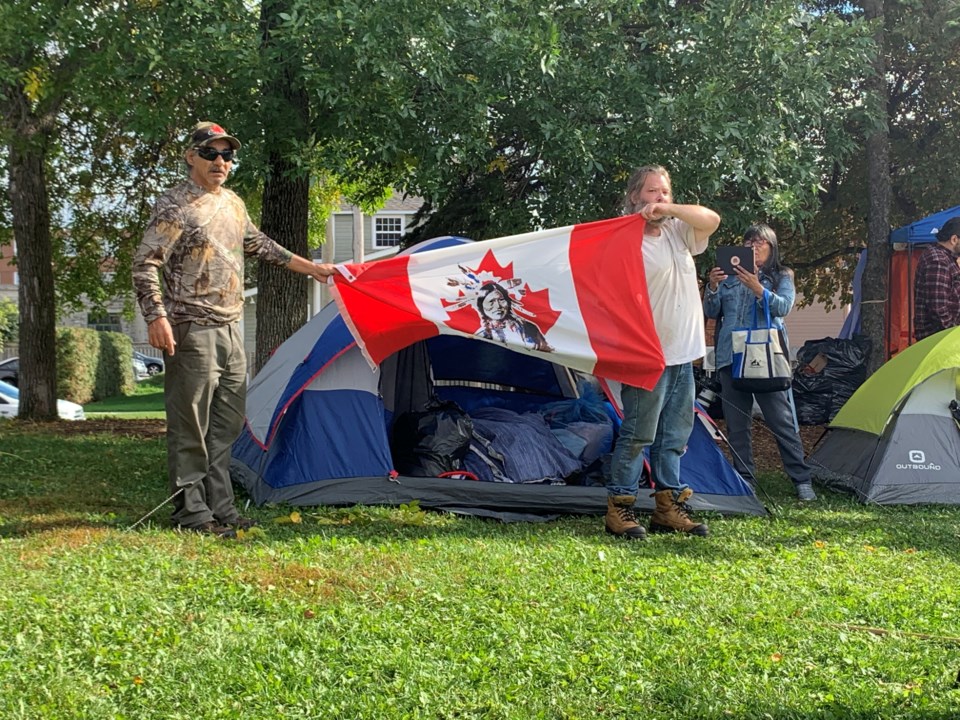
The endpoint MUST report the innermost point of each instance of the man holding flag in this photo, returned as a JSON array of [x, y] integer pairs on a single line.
[[662, 418], [195, 241]]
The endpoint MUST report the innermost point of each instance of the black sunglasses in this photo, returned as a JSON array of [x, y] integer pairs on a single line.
[[209, 153]]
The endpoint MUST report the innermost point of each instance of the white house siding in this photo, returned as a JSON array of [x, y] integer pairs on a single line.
[[342, 237], [814, 323], [343, 224]]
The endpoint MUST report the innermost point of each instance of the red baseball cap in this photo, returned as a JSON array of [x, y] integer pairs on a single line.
[[206, 132]]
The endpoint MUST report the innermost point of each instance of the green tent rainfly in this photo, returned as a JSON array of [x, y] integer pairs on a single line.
[[897, 439]]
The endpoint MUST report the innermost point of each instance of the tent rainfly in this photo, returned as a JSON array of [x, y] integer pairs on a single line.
[[897, 439]]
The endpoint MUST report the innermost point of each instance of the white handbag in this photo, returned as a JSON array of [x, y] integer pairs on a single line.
[[761, 358]]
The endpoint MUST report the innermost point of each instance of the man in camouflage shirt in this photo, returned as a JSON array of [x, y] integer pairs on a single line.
[[197, 238]]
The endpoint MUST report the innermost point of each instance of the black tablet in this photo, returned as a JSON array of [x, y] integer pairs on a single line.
[[729, 256]]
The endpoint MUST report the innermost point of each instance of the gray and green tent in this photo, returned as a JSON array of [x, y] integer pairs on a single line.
[[897, 439]]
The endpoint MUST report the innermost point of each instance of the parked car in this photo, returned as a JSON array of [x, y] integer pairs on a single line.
[[10, 404], [154, 364], [10, 368], [140, 371], [10, 371]]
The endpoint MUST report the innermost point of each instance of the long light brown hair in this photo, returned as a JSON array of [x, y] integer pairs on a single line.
[[635, 183]]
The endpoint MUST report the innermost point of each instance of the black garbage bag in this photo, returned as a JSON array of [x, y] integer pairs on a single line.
[[431, 442], [812, 399], [828, 372]]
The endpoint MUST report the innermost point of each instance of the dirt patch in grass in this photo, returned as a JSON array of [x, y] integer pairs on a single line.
[[320, 583], [766, 455], [146, 428], [61, 538]]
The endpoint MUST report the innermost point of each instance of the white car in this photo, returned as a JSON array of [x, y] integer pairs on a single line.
[[140, 371], [154, 364], [10, 405]]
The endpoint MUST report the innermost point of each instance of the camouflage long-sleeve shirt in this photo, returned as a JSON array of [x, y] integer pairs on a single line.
[[197, 239]]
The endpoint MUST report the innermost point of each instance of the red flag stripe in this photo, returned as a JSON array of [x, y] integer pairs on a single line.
[[381, 328], [608, 273]]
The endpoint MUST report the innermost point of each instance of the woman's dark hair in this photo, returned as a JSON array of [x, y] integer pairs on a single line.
[[772, 268]]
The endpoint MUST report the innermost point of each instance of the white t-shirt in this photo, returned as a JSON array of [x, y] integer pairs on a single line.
[[673, 290]]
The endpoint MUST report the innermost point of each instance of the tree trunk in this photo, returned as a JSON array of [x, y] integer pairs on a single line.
[[282, 295], [30, 207], [872, 313]]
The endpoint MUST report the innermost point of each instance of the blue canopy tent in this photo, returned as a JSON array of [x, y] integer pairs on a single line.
[[925, 230], [905, 242]]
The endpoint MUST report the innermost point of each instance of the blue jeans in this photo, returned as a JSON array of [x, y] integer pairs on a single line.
[[661, 419], [778, 413]]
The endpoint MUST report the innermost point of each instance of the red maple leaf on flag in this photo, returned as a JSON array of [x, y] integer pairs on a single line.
[[537, 309], [490, 265]]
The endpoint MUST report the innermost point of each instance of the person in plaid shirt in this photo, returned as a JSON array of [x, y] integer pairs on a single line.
[[937, 286]]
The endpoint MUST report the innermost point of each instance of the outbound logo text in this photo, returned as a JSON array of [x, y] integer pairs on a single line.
[[917, 461]]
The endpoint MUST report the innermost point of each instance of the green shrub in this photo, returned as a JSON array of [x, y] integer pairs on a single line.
[[92, 364], [9, 322]]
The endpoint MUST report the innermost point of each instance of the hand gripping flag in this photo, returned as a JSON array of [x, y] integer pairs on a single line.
[[575, 295]]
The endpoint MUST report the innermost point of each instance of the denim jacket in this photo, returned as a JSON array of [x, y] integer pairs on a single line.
[[733, 303]]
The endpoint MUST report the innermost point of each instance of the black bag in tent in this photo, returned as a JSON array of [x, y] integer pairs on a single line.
[[433, 441]]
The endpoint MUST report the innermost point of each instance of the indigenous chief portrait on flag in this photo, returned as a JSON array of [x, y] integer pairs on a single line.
[[491, 298], [575, 295]]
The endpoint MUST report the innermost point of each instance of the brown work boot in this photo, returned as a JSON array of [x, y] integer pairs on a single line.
[[621, 519], [673, 515]]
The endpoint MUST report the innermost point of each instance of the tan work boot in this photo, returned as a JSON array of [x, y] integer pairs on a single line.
[[672, 515], [621, 519]]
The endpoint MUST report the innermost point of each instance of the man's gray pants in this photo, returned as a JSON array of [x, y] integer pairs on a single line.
[[205, 390]]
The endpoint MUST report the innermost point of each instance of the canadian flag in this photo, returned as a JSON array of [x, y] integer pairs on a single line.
[[575, 295]]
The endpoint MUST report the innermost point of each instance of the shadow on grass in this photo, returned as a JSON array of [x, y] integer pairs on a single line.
[[50, 481], [835, 520]]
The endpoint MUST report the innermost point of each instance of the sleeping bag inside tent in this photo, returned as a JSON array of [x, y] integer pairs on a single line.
[[531, 435]]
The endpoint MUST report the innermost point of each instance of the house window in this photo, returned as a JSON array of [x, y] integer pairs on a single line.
[[104, 321], [387, 230]]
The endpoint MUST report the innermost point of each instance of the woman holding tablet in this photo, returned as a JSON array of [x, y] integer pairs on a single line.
[[731, 300]]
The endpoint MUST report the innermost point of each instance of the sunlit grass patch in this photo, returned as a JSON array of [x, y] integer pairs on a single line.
[[824, 610], [146, 401]]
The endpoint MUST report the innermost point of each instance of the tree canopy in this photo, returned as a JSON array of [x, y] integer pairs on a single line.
[[505, 115], [747, 103], [920, 115]]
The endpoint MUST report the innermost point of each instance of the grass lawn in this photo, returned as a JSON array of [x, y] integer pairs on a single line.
[[145, 402], [828, 611]]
